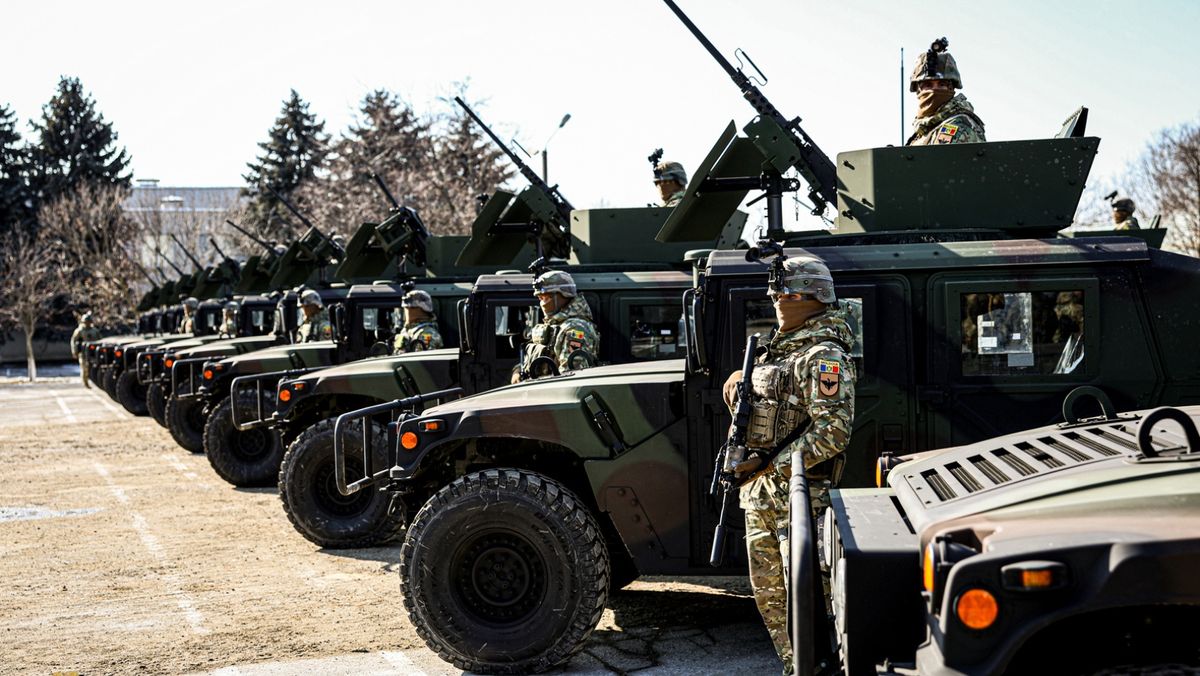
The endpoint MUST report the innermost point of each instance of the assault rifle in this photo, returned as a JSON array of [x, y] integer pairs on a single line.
[[806, 157], [561, 206], [733, 452]]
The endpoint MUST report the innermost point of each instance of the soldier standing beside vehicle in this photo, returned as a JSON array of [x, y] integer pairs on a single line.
[[420, 331], [84, 333], [188, 325], [229, 314], [943, 117], [803, 388], [1123, 219], [567, 327], [670, 179], [316, 324]]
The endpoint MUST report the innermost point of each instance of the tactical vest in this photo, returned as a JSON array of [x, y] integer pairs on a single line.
[[778, 409]]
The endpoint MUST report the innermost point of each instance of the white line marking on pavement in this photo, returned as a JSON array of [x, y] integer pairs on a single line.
[[171, 580], [66, 411], [401, 662], [122, 415], [174, 461]]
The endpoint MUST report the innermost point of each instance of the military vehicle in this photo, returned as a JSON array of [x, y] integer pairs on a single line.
[[1071, 548], [636, 309], [975, 321]]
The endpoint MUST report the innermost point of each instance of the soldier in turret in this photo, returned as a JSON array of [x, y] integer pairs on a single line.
[[316, 324], [84, 333], [567, 333], [943, 117], [420, 331], [188, 325], [671, 179], [803, 398], [229, 313], [1123, 218]]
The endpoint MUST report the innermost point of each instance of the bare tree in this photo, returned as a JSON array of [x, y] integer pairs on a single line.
[[33, 275], [89, 232], [1172, 163]]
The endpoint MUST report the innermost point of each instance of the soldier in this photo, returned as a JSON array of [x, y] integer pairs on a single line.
[[316, 324], [229, 313], [188, 325], [84, 333], [1123, 218], [671, 179], [803, 399], [943, 117], [420, 331], [566, 330]]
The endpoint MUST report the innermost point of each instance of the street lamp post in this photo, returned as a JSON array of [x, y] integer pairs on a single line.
[[545, 162]]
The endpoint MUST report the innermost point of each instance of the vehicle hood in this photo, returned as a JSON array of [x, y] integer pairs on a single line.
[[225, 347]]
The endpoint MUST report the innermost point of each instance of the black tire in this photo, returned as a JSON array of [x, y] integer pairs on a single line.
[[131, 393], [156, 404], [311, 499], [244, 459], [504, 572], [110, 383], [186, 421]]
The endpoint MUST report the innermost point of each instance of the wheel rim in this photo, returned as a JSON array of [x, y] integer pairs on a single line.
[[193, 415], [250, 445], [330, 500], [499, 577]]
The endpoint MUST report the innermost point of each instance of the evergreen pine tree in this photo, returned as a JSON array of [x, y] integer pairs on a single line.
[[75, 145], [15, 209], [387, 138], [294, 151]]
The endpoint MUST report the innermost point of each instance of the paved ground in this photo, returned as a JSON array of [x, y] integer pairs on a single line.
[[121, 553]]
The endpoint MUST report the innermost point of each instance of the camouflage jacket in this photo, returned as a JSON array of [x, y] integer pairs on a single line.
[[82, 334], [675, 198], [823, 376], [229, 328], [1130, 223], [315, 328], [417, 337], [571, 328], [188, 325], [954, 122]]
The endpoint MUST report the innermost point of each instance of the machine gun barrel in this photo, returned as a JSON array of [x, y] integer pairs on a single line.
[[216, 247], [184, 249], [305, 221], [813, 164], [734, 450], [257, 240], [169, 262], [386, 193], [561, 204], [153, 282]]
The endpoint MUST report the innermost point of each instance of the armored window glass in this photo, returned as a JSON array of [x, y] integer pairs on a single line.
[[210, 320], [257, 318], [511, 329], [370, 318], [655, 331], [1011, 333]]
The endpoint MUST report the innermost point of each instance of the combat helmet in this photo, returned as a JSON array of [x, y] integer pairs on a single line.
[[555, 281], [1124, 203], [86, 318], [935, 64], [191, 303], [232, 306], [311, 297], [807, 275], [418, 299], [670, 171]]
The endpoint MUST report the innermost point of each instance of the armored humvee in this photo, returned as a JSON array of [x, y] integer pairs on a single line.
[[966, 332], [1068, 549]]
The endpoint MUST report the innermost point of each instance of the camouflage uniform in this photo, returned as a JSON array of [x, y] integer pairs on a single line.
[[418, 336], [671, 171], [560, 334], [189, 316], [804, 380], [1125, 204], [955, 120], [229, 327], [316, 327], [84, 333]]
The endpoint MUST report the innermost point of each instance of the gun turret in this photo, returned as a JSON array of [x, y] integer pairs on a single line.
[[403, 233], [560, 220], [806, 157], [329, 241], [184, 249]]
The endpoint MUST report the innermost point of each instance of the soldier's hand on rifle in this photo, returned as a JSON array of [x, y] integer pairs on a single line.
[[729, 390]]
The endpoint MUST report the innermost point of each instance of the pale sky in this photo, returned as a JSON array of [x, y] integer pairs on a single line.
[[192, 87]]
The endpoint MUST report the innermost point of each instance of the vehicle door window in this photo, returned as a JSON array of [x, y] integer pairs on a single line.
[[760, 318], [1022, 332], [511, 328], [655, 331]]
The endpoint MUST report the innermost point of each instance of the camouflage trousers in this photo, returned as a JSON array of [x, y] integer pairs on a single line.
[[768, 551], [83, 372]]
